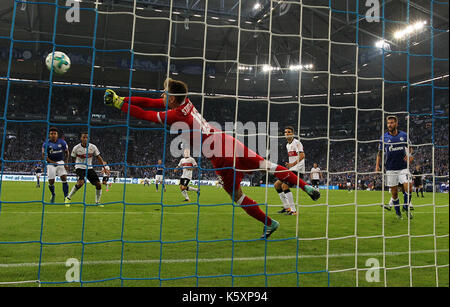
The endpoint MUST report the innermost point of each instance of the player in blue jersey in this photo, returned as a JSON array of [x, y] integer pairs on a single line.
[[349, 182], [38, 173], [159, 175], [56, 152], [398, 156]]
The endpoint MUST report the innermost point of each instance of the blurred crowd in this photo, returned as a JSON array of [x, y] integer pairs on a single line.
[[133, 147]]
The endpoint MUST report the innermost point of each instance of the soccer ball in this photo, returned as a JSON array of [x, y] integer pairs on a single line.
[[61, 62]]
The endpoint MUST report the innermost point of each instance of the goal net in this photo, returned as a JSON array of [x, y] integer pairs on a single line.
[[331, 70]]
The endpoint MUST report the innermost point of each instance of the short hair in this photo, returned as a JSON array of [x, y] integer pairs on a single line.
[[392, 117], [83, 132], [53, 129], [290, 128], [176, 87]]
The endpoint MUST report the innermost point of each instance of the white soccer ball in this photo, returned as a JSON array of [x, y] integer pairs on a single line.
[[61, 62]]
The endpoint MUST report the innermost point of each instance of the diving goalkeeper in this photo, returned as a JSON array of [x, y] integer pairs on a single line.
[[230, 158]]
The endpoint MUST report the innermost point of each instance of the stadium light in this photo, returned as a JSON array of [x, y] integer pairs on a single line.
[[410, 29], [257, 6]]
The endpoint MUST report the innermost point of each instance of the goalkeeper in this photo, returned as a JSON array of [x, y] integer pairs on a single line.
[[229, 156]]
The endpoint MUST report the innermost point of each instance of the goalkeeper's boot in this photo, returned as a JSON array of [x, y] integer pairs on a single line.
[[312, 192], [268, 230], [52, 199], [67, 201]]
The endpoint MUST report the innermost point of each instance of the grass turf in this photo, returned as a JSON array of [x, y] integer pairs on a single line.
[[215, 244]]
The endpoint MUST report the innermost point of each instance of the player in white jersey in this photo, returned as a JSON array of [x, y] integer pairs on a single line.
[[296, 165], [188, 164], [106, 171], [84, 168], [315, 175]]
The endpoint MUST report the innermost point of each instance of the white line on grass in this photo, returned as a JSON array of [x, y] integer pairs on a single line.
[[193, 213], [205, 260]]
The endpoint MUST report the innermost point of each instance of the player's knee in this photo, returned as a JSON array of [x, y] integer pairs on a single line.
[[278, 185]]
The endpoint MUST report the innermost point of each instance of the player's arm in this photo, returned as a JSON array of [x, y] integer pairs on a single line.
[[377, 165], [142, 102], [66, 158], [301, 156], [103, 162]]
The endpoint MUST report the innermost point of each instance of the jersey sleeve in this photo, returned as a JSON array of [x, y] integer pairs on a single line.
[[152, 116], [299, 147], [179, 164], [144, 102], [73, 154], [96, 151], [194, 163]]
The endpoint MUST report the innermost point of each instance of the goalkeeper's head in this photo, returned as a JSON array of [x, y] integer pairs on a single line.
[[175, 92]]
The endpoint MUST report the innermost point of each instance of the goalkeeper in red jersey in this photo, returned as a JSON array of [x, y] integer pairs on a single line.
[[230, 158]]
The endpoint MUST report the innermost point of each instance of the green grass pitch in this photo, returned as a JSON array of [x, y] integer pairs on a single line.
[[145, 244]]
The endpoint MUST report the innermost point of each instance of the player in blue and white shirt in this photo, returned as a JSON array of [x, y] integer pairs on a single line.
[[397, 159], [56, 152]]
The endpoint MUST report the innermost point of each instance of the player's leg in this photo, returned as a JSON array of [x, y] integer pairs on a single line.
[[290, 199], [65, 185], [232, 185], [183, 189], [80, 182], [396, 201], [278, 187], [421, 190], [95, 181], [282, 173], [51, 173], [38, 184]]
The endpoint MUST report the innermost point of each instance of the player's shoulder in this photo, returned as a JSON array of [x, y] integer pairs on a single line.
[[185, 109]]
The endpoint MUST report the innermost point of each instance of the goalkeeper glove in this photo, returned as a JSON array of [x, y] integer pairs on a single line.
[[111, 99]]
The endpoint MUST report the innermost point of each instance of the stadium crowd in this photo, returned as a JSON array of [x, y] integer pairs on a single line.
[[141, 144]]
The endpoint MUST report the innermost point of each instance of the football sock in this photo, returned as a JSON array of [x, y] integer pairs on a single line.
[[52, 189], [252, 209], [407, 200], [290, 199], [185, 194], [421, 191], [156, 187], [65, 187], [396, 203], [283, 198], [98, 195], [73, 191], [192, 189]]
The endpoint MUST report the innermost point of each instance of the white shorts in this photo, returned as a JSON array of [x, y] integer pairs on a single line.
[[38, 174], [393, 178], [56, 170], [159, 178]]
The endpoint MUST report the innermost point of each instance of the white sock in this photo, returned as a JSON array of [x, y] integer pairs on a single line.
[[185, 194], [284, 200], [98, 195], [290, 201], [192, 189], [73, 191], [391, 202]]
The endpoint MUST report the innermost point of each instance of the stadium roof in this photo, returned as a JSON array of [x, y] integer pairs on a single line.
[[114, 32]]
